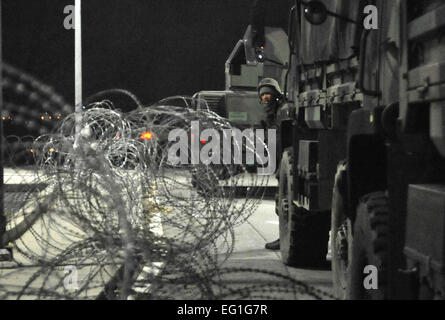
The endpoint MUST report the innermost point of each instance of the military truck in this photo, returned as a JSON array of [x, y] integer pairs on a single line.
[[248, 64], [366, 115], [245, 67]]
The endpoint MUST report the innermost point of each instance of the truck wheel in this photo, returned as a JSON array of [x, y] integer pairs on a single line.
[[370, 248], [341, 236], [303, 235]]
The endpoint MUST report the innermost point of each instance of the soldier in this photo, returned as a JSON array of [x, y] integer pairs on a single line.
[[269, 92]]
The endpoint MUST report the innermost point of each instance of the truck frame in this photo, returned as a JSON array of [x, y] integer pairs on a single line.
[[366, 112]]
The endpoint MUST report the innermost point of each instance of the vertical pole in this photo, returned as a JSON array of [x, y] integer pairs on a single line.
[[2, 190], [78, 66]]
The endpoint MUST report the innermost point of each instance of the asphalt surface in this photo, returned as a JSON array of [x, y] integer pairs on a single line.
[[262, 270], [14, 201], [251, 271], [20, 185], [249, 252]]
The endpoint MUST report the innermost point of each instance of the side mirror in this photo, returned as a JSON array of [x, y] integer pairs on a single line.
[[315, 12]]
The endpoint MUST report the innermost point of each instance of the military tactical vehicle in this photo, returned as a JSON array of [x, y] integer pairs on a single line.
[[366, 115], [246, 66]]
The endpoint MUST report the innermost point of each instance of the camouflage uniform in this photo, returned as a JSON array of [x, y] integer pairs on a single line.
[[271, 87]]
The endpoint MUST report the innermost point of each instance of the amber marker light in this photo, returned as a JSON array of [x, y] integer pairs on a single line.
[[146, 136]]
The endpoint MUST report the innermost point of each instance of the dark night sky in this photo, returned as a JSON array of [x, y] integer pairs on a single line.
[[154, 48]]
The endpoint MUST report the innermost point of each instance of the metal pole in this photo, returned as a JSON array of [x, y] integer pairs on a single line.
[[2, 191], [78, 66]]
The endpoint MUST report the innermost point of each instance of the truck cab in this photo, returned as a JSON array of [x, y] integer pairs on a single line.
[[246, 66]]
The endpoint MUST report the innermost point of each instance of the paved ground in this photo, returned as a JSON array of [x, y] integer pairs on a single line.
[[249, 252], [50, 235], [14, 201], [18, 188]]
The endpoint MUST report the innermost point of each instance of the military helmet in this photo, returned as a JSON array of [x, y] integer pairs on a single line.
[[269, 85]]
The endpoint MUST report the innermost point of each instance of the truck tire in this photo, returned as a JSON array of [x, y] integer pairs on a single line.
[[303, 235], [370, 247], [341, 236]]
